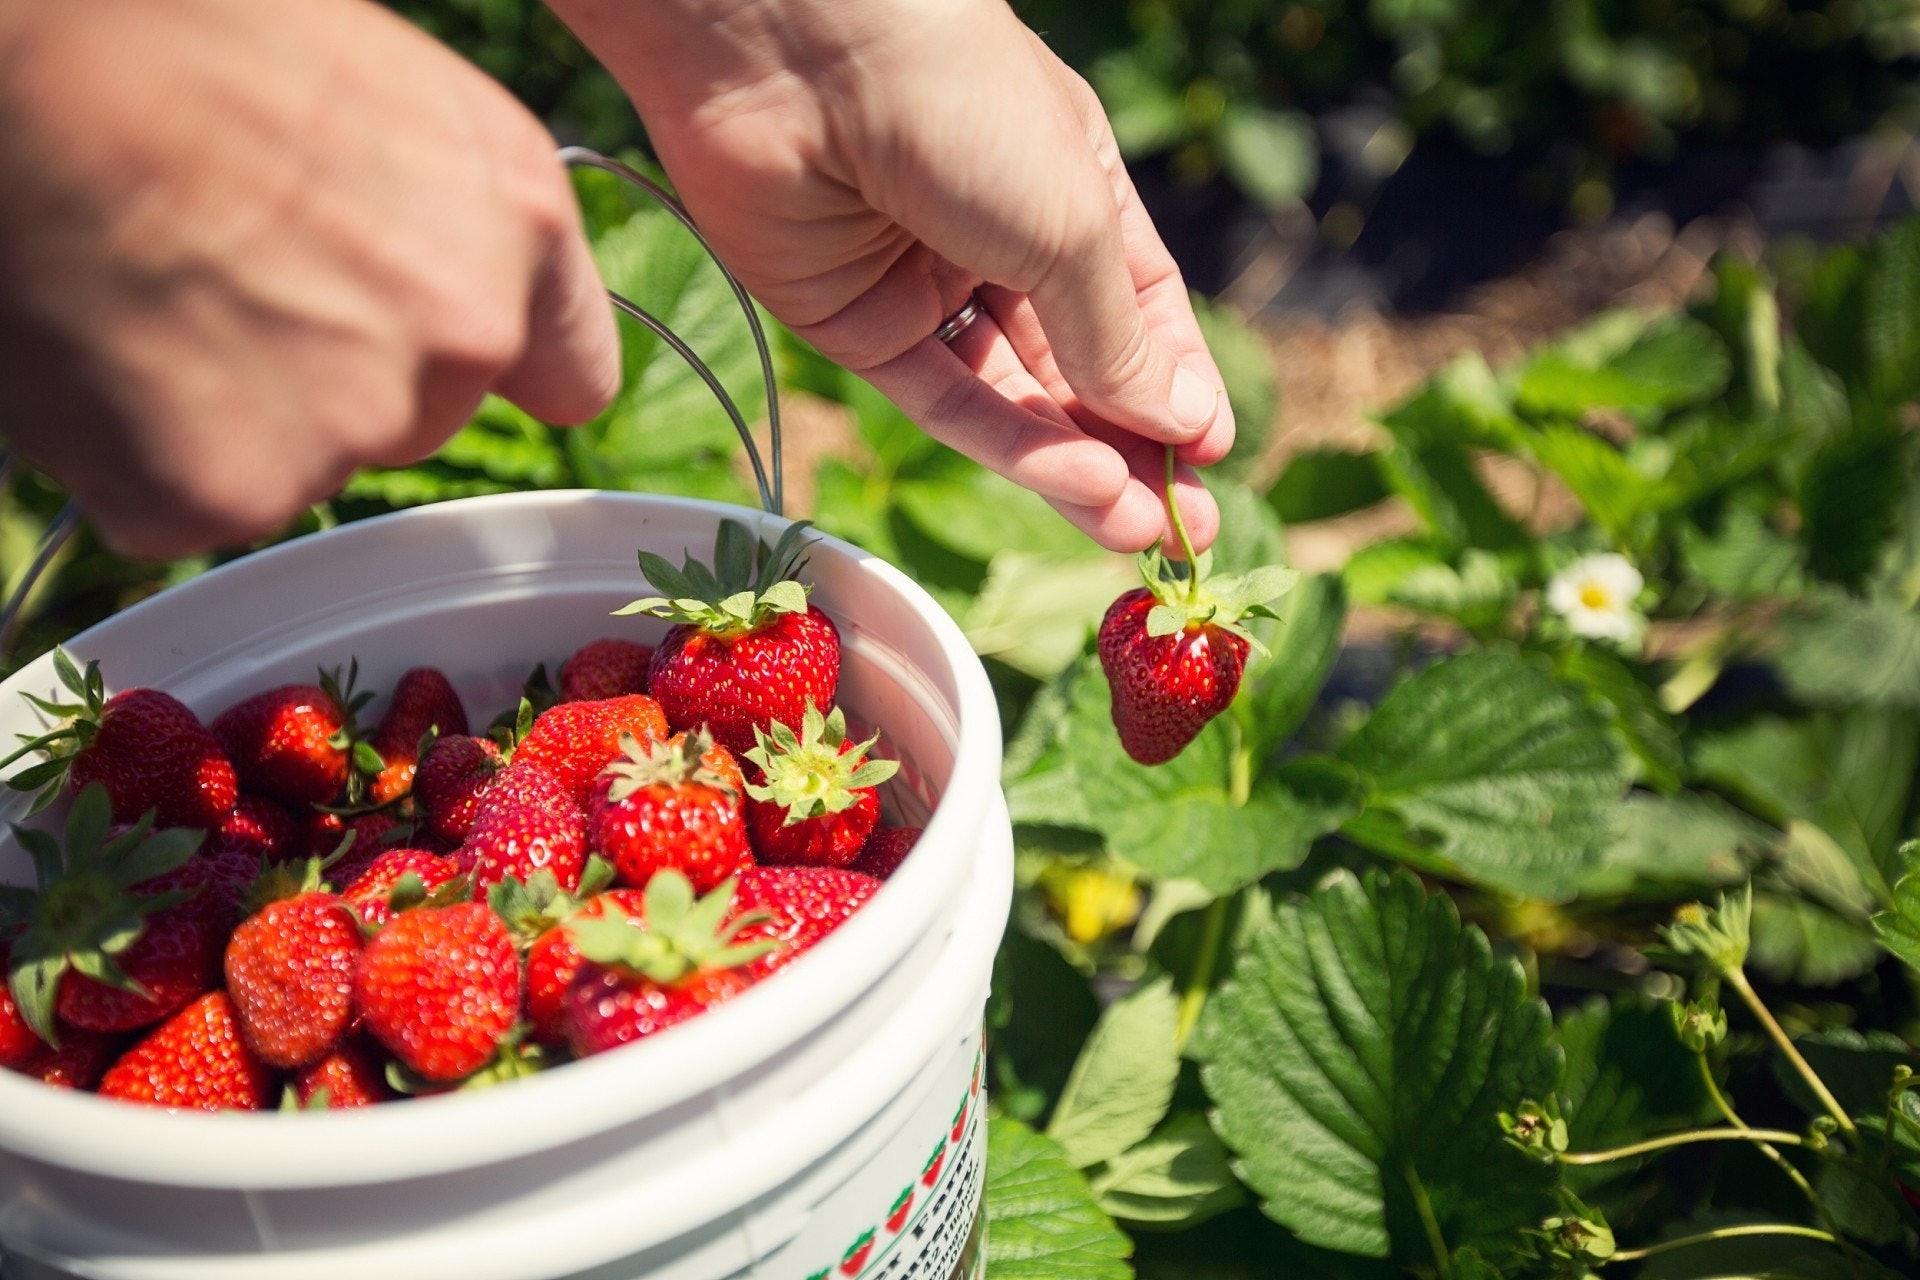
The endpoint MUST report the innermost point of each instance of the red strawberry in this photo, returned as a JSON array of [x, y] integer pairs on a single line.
[[797, 906], [448, 783], [539, 915], [142, 745], [262, 827], [748, 649], [18, 1043], [574, 741], [930, 1172], [114, 904], [605, 668], [296, 742], [885, 850], [350, 1076], [815, 803], [423, 701], [195, 1061], [370, 893], [641, 978], [373, 833], [1174, 651], [662, 808], [82, 1058], [959, 1122], [440, 988], [527, 822], [719, 761], [289, 969]]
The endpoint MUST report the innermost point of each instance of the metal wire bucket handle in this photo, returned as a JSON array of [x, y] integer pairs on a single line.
[[769, 481]]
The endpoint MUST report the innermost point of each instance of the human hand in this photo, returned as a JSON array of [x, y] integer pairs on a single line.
[[247, 248], [863, 164]]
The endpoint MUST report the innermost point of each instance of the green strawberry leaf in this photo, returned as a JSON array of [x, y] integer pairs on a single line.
[[1122, 1083], [1850, 652], [1898, 927], [1179, 819], [1679, 846], [1358, 1058], [1505, 777], [1177, 1178], [1628, 1077], [1281, 687], [1042, 1220], [1034, 612]]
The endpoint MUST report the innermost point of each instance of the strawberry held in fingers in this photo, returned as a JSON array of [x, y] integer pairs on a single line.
[[643, 977], [423, 703], [663, 807], [105, 940], [574, 741], [440, 988], [605, 668], [289, 968], [297, 742], [1175, 649], [815, 802], [747, 650], [144, 746], [195, 1061]]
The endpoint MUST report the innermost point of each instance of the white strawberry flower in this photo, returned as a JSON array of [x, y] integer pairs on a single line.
[[1596, 596]]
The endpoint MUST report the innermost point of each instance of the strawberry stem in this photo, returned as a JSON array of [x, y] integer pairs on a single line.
[[1180, 531]]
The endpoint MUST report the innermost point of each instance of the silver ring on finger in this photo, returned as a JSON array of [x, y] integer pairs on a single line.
[[956, 324]]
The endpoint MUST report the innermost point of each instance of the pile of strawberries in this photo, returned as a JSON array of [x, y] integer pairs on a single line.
[[278, 908]]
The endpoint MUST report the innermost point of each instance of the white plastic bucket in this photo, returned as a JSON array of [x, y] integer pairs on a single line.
[[767, 1138]]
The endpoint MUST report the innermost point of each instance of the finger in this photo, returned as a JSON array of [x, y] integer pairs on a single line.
[[1015, 317], [995, 413], [1157, 282], [1106, 352], [570, 368]]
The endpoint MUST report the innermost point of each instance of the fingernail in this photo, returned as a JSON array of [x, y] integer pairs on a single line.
[[1193, 398]]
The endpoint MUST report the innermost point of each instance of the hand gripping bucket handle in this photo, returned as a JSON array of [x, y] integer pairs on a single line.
[[769, 480]]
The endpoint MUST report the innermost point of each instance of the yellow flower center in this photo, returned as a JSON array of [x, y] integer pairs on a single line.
[[1594, 596]]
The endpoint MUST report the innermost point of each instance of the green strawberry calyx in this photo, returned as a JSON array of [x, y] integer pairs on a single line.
[[813, 772], [747, 585], [75, 723], [82, 911], [535, 906], [1188, 597], [676, 762], [363, 761], [681, 934]]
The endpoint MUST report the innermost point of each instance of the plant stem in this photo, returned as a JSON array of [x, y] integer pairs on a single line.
[[1193, 997], [1180, 531], [1726, 1233], [1737, 979], [1772, 1153], [1436, 1239], [1684, 1138]]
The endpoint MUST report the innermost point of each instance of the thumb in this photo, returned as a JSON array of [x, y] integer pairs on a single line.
[[570, 368]]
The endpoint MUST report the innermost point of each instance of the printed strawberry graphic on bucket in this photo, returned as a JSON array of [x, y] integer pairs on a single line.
[[959, 1121], [902, 1206], [931, 1173], [856, 1256]]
